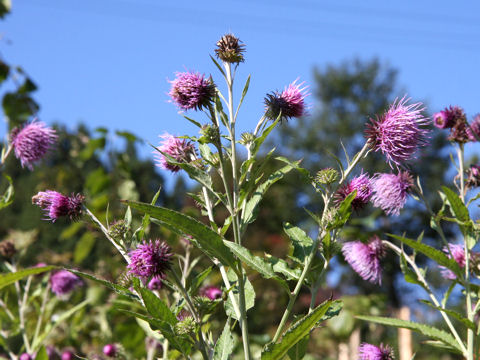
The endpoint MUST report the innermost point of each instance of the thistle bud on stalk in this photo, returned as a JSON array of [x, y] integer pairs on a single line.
[[56, 205], [230, 49]]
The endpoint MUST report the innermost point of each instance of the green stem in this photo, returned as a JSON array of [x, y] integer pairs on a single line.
[[42, 311], [421, 278], [105, 232], [294, 294], [468, 300], [203, 347], [21, 309]]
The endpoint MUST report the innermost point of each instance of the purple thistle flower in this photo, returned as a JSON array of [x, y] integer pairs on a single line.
[[398, 132], [363, 185], [181, 150], [458, 253], [211, 292], [473, 131], [150, 259], [473, 176], [440, 120], [25, 356], [32, 142], [372, 352], [56, 205], [365, 258], [110, 350], [192, 91], [63, 282], [156, 282], [289, 103], [390, 191]]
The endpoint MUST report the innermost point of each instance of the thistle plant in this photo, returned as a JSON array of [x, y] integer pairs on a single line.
[[174, 295]]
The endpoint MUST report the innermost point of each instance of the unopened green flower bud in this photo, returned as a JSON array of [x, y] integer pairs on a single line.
[[247, 138], [117, 229], [210, 134], [185, 327], [326, 176]]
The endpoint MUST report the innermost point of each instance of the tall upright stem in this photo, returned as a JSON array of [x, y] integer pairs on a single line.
[[468, 297]]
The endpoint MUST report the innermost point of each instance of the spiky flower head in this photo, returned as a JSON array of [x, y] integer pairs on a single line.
[[398, 132], [390, 191], [365, 258], [211, 292], [372, 352], [289, 103], [473, 130], [230, 49], [110, 350], [32, 142], [56, 205], [63, 282], [363, 185], [186, 326], [150, 259], [181, 150], [190, 90], [457, 252]]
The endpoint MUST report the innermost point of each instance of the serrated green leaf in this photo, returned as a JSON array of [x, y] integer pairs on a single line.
[[343, 212], [298, 351], [258, 264], [453, 314], [302, 243], [115, 287], [426, 330], [10, 278], [225, 343], [156, 307], [244, 93], [251, 208], [296, 332], [280, 266], [198, 280], [208, 240], [456, 204], [432, 253]]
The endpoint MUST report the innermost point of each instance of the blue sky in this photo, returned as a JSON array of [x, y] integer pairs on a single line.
[[107, 62]]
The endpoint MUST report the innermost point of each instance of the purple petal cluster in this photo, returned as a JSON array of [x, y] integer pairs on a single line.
[[457, 251], [56, 205], [365, 258], [211, 292], [473, 131], [190, 90], [390, 191], [398, 133], [372, 352], [156, 282], [25, 356], [448, 117], [150, 259], [363, 185], [63, 282], [181, 150], [32, 142], [110, 350], [67, 355], [289, 103]]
